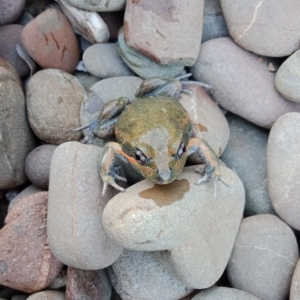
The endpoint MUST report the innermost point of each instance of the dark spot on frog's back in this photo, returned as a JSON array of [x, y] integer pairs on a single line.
[[164, 195]]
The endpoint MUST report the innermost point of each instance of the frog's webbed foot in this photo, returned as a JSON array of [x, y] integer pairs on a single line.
[[211, 168], [90, 138], [110, 180]]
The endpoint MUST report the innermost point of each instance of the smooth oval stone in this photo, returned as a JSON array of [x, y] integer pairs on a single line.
[[104, 61], [246, 154], [10, 36], [207, 120], [265, 248], [37, 165], [288, 77], [283, 168], [144, 66], [146, 275], [88, 284], [47, 295], [162, 32], [223, 293], [255, 25], [183, 218], [10, 10], [26, 261], [53, 104], [241, 82], [99, 5], [16, 138], [50, 41], [295, 287], [75, 230]]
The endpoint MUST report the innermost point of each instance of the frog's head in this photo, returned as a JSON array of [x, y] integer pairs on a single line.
[[159, 156]]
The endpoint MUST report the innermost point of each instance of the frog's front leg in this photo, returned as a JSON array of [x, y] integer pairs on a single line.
[[108, 168], [210, 160]]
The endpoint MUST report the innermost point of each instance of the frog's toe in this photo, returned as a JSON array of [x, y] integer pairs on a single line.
[[120, 178], [111, 181]]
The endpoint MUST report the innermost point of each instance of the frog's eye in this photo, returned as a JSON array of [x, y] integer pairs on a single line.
[[181, 150], [140, 157]]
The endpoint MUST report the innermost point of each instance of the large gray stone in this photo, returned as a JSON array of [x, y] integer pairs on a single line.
[[283, 162], [246, 154], [197, 228], [263, 258], [16, 138], [75, 230], [241, 82]]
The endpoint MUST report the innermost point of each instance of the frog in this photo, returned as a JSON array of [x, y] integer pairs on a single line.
[[153, 134]]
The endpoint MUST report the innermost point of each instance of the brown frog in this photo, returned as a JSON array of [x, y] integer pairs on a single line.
[[153, 133]]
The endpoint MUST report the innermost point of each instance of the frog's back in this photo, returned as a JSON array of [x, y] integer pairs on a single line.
[[144, 114]]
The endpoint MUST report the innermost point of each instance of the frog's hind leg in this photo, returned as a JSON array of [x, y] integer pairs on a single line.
[[211, 164]]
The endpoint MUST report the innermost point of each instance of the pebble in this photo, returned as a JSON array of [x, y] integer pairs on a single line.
[[50, 41], [86, 285], [144, 66], [10, 11], [257, 25], [16, 137], [86, 79], [214, 25], [8, 66], [99, 5], [104, 61], [53, 99], [241, 82], [246, 155], [30, 190], [47, 295], [183, 218], [60, 281], [26, 262], [10, 35], [37, 165], [161, 31], [207, 120], [283, 168], [223, 293], [263, 258], [75, 231], [288, 76], [295, 287], [146, 275], [114, 21]]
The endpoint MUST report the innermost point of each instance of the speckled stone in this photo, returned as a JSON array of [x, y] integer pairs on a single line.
[[241, 82], [283, 162], [263, 258], [246, 154], [74, 193]]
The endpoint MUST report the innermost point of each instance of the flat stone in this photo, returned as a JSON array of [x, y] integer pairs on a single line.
[[146, 275], [288, 76], [52, 93], [10, 36], [27, 263], [10, 10], [265, 248], [99, 5], [257, 25], [17, 139], [283, 171], [246, 154], [207, 119], [74, 193], [144, 66], [50, 41], [86, 285], [241, 82], [223, 293], [295, 287], [168, 32], [47, 295], [198, 229], [37, 165], [104, 61]]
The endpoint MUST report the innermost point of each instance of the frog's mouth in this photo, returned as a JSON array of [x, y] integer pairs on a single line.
[[163, 177]]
